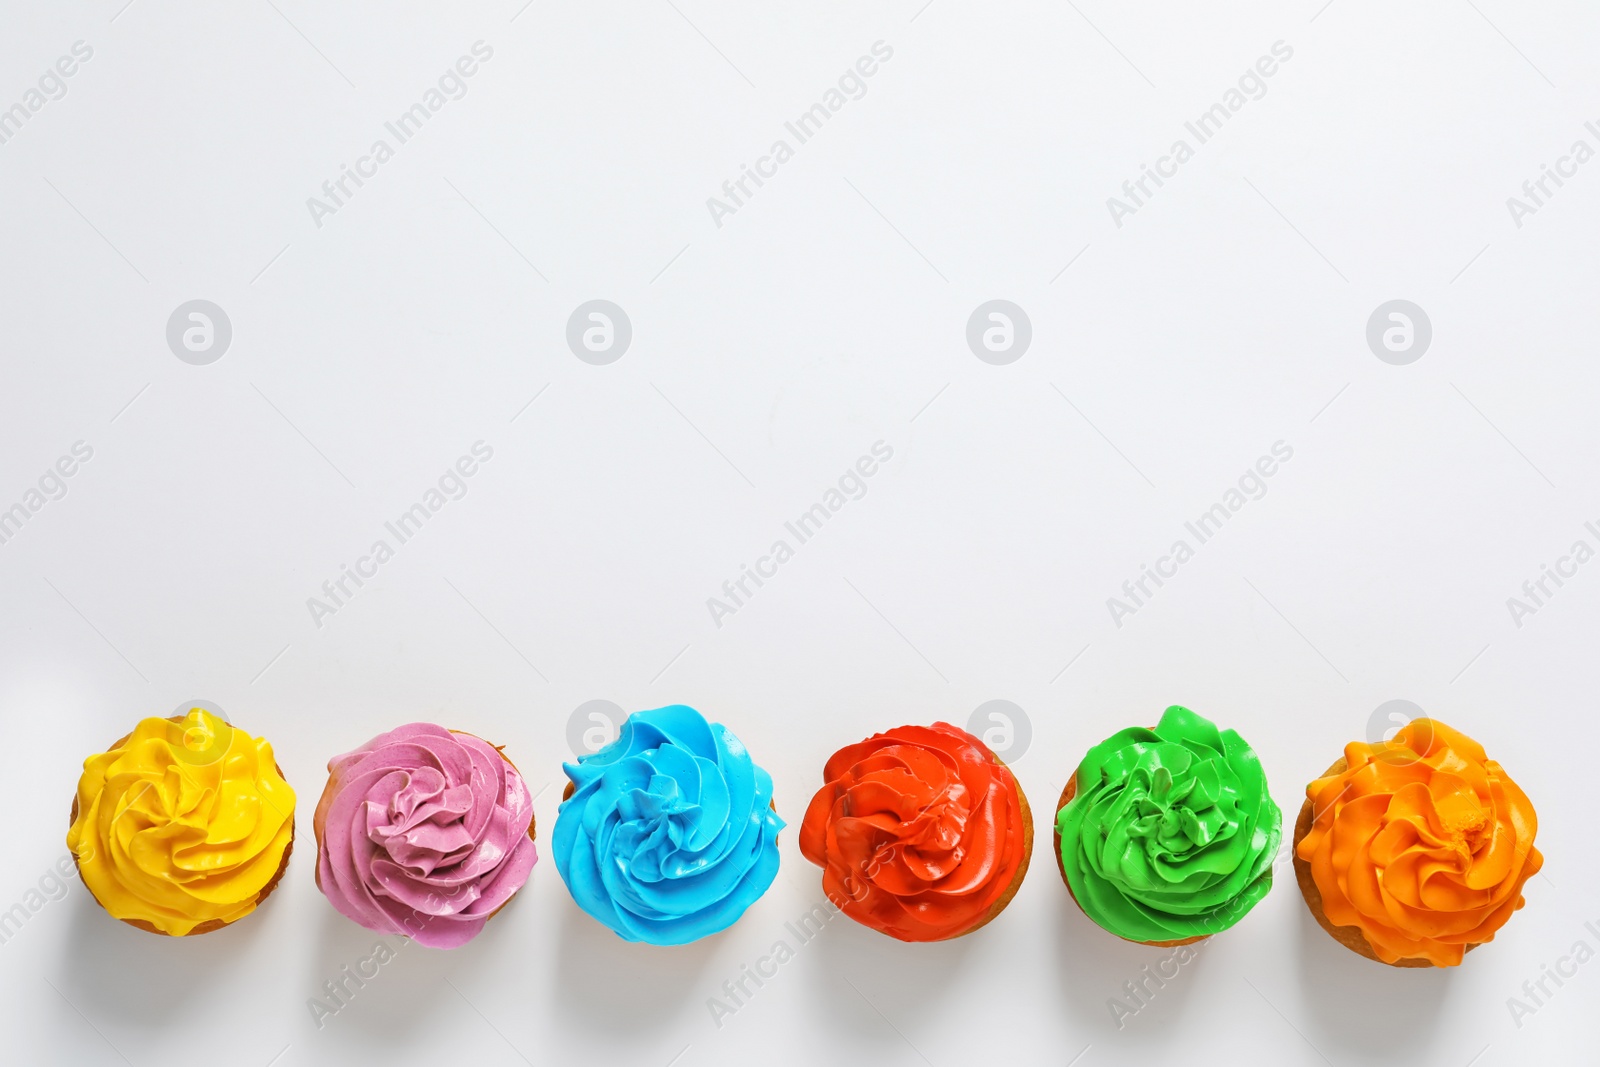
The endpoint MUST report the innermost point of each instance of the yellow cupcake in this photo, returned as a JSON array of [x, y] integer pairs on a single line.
[[184, 826]]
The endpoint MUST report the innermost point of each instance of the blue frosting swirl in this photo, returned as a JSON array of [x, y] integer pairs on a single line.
[[669, 834]]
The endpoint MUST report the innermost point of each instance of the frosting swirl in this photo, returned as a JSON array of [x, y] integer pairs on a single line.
[[1171, 833], [667, 834], [921, 832], [424, 832], [182, 824], [1422, 843]]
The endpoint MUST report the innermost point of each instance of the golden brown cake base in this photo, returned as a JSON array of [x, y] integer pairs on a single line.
[[319, 819], [1350, 937], [1067, 794], [209, 925]]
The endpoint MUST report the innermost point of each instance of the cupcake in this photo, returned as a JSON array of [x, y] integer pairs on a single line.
[[1414, 851], [183, 826], [921, 832], [668, 833], [424, 832], [1167, 836]]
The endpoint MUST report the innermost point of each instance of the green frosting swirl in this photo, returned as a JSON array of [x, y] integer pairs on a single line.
[[1172, 832]]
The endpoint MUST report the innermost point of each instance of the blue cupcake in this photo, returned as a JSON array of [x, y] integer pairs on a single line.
[[668, 833]]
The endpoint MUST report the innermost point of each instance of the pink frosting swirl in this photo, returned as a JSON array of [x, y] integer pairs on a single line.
[[423, 832]]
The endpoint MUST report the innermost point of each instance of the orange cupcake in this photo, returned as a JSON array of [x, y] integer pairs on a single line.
[[1414, 851]]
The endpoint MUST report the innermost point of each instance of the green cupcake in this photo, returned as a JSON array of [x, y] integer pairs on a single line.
[[1167, 836]]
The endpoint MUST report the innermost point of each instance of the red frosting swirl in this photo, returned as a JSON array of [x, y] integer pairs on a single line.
[[921, 832]]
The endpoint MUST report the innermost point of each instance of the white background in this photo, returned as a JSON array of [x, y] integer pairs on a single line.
[[768, 354]]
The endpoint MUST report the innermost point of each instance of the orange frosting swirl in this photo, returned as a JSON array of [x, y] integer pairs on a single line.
[[920, 832], [1422, 843]]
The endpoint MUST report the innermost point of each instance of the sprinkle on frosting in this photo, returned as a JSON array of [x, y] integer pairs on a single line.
[[668, 834], [426, 834], [1171, 833], [920, 832], [1422, 843], [182, 823]]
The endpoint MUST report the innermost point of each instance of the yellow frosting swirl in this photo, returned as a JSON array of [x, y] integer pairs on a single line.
[[181, 823]]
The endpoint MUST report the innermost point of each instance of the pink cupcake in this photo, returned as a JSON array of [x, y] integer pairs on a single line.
[[424, 832]]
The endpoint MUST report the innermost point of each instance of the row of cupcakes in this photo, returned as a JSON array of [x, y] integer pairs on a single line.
[[1410, 852]]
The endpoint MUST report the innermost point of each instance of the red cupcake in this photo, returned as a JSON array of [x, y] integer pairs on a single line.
[[922, 833]]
